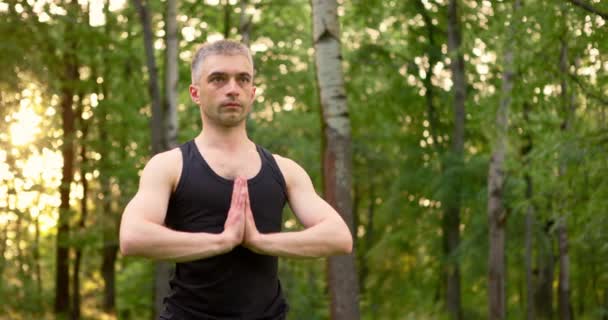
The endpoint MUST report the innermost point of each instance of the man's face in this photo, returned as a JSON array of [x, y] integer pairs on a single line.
[[225, 90]]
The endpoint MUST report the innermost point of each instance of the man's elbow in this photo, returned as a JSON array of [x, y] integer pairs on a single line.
[[127, 244], [348, 245], [345, 244]]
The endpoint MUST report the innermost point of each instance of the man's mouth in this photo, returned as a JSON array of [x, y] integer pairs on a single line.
[[231, 105]]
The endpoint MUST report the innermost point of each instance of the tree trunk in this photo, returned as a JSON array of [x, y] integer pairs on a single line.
[[227, 13], [156, 126], [75, 312], [158, 138], [245, 23], [337, 161], [565, 306], [76, 298], [109, 230], [451, 216], [449, 273], [529, 241], [564, 303], [497, 215], [109, 223], [434, 54], [164, 269], [109, 277], [543, 293], [62, 278], [171, 74], [108, 217]]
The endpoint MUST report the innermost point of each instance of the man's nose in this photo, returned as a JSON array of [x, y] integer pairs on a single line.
[[232, 87]]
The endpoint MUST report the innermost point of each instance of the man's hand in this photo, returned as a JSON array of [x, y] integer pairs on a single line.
[[234, 227], [251, 231]]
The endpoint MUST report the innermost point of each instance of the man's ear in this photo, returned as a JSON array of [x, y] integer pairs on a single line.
[[194, 93], [253, 92]]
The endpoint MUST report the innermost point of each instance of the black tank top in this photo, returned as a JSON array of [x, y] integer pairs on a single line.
[[240, 284]]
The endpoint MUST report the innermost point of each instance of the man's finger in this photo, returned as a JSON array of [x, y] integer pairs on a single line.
[[235, 191], [243, 194]]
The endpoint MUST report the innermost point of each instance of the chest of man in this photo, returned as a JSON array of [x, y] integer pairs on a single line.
[[230, 165]]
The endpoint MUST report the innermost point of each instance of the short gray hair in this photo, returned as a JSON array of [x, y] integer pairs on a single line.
[[220, 47]]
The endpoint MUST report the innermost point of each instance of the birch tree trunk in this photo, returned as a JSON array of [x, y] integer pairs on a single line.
[[451, 215], [497, 216], [337, 162]]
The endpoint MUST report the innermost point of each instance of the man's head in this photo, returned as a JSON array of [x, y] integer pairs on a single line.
[[222, 82], [221, 47]]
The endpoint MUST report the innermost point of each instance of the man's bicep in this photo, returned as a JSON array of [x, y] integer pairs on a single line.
[[304, 201], [309, 208], [152, 198]]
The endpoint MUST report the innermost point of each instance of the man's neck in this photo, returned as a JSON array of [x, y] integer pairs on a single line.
[[227, 139]]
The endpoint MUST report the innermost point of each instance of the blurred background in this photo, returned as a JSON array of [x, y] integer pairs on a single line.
[[478, 136]]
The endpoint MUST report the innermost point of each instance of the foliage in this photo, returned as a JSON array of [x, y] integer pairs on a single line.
[[400, 96]]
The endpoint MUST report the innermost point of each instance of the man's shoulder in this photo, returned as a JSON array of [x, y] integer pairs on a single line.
[[283, 162], [167, 163], [291, 170], [166, 157]]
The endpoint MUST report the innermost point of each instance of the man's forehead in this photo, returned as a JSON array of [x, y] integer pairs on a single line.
[[231, 64]]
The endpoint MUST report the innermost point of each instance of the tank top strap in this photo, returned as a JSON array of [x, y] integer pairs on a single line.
[[269, 159], [186, 149], [189, 152], [186, 152]]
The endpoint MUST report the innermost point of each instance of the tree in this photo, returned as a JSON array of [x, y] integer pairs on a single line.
[[337, 164], [158, 135], [564, 304], [171, 74], [69, 77], [451, 223], [497, 215]]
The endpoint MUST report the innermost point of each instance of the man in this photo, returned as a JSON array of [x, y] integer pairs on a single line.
[[214, 205]]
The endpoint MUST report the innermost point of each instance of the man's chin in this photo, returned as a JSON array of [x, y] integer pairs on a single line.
[[232, 121]]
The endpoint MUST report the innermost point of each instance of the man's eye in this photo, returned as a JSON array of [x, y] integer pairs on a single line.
[[245, 80], [217, 79]]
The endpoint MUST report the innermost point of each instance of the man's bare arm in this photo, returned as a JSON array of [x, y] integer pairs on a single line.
[[142, 230], [325, 231]]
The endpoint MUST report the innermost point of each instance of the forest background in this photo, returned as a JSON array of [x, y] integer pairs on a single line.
[[477, 134]]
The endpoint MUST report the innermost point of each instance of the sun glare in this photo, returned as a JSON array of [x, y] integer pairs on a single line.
[[25, 128]]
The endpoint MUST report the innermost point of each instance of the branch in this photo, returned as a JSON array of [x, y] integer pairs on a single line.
[[590, 8], [591, 94]]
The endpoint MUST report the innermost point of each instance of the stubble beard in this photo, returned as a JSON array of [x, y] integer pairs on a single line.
[[226, 118]]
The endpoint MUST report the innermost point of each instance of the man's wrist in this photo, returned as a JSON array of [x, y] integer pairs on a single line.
[[255, 243], [226, 242]]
